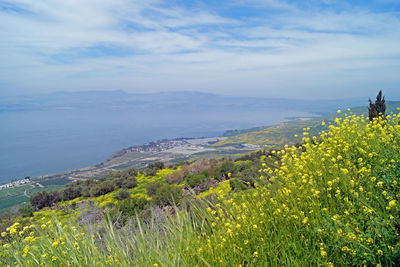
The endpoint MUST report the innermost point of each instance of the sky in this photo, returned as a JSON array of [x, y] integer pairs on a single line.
[[271, 48]]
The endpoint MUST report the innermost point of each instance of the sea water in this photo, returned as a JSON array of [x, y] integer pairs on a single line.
[[34, 143]]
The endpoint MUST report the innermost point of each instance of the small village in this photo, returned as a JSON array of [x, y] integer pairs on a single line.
[[158, 146], [16, 183]]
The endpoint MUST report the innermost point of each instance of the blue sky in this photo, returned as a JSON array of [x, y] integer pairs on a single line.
[[293, 49]]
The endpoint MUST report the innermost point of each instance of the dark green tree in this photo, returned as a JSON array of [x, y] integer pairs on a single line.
[[40, 200], [378, 108]]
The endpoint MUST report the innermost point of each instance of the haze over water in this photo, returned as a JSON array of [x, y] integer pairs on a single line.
[[36, 143]]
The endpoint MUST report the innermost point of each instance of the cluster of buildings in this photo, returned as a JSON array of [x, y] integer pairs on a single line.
[[16, 183], [158, 146]]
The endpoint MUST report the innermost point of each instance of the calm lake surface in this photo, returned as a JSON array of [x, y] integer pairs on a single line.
[[34, 143]]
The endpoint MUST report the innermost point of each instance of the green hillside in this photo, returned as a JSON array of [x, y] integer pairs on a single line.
[[289, 132], [330, 200]]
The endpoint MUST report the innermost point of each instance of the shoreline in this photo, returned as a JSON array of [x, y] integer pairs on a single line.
[[166, 150]]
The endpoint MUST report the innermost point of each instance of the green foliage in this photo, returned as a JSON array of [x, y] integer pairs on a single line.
[[54, 181], [196, 179], [26, 210], [176, 177], [222, 171], [72, 191], [124, 179], [153, 167], [87, 188], [13, 191], [128, 207], [152, 187], [44, 199], [11, 197], [237, 184], [167, 194], [122, 194], [130, 182], [378, 108], [8, 202], [101, 188]]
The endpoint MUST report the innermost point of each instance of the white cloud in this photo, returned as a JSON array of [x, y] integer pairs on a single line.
[[181, 48]]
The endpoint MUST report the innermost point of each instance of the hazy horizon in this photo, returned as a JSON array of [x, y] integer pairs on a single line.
[[362, 97]]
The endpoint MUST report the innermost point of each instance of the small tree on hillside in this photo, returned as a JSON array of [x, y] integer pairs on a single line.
[[378, 108]]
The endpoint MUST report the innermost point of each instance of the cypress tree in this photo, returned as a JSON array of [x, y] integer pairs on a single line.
[[378, 108]]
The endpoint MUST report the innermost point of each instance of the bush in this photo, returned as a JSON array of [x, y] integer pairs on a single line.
[[153, 167], [26, 210], [130, 206], [72, 191], [126, 209], [222, 171], [196, 179], [85, 191], [152, 187], [123, 194], [176, 177], [167, 195], [101, 189], [129, 182], [249, 176], [43, 199], [241, 166], [124, 179], [237, 184]]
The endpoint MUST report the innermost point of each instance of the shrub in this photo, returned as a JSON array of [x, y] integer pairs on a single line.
[[125, 178], [117, 181], [123, 194], [195, 179], [176, 177], [101, 189], [26, 210], [222, 171], [167, 195], [43, 199], [153, 167], [249, 176], [128, 207], [85, 191], [129, 182], [72, 191], [237, 184], [152, 187]]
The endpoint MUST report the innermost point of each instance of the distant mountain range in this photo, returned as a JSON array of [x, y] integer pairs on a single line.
[[182, 101]]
